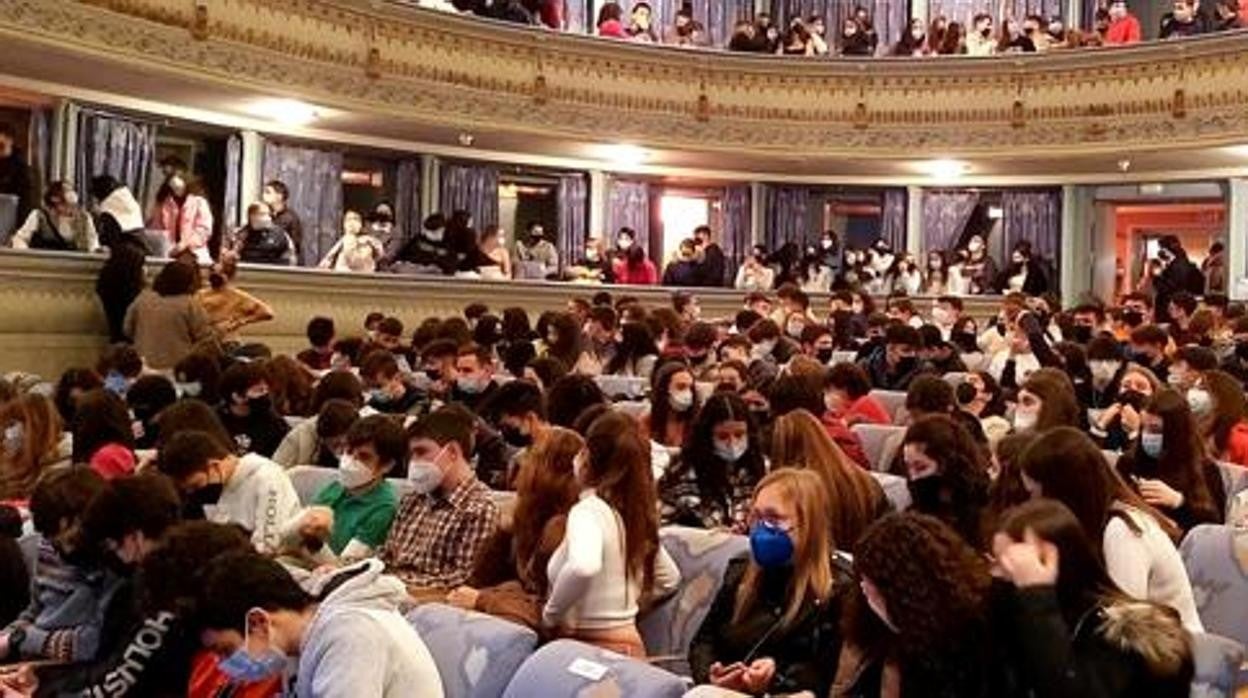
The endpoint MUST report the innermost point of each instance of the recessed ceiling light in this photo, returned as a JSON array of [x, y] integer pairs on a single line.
[[290, 112], [1124, 165], [944, 169], [624, 154]]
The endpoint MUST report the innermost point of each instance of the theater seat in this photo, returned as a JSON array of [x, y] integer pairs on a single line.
[[1234, 482], [955, 378], [702, 556], [709, 691], [893, 401], [476, 654], [843, 357], [1219, 664], [310, 479], [570, 669], [1216, 558], [402, 486], [622, 387], [895, 488], [875, 440]]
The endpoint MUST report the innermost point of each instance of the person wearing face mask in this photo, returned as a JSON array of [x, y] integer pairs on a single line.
[[1168, 467], [389, 392], [350, 639], [1024, 274], [185, 218], [847, 395], [1124, 27], [33, 444], [538, 252], [519, 410], [362, 501], [904, 276], [251, 491], [261, 241], [277, 196], [979, 40], [594, 265], [979, 269], [774, 626], [673, 405], [247, 410], [443, 523], [1182, 21], [321, 440], [710, 485], [1186, 366], [1117, 426], [913, 41], [230, 308], [60, 224], [356, 250], [474, 377], [939, 639], [1107, 368], [1046, 400], [1221, 408], [1147, 347], [947, 475], [427, 252], [1012, 39], [817, 343], [894, 364], [941, 356], [70, 590]]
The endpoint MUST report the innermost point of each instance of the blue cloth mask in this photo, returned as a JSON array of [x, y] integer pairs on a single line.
[[1151, 444]]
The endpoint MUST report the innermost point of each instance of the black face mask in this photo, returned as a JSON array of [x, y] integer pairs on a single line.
[[434, 374], [1081, 334], [965, 341], [824, 355], [512, 435], [927, 494], [1241, 350], [698, 359], [906, 364], [1135, 399], [260, 405], [326, 458], [208, 495], [1132, 318]]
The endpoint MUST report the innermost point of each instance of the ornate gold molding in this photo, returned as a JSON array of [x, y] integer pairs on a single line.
[[447, 70]]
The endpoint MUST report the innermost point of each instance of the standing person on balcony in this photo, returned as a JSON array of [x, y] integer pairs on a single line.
[[1012, 39], [710, 258], [14, 172], [277, 195], [121, 277], [1124, 28], [1183, 20], [611, 21], [979, 41], [185, 218], [641, 28], [635, 269], [954, 42], [854, 42], [539, 250], [863, 18], [913, 41]]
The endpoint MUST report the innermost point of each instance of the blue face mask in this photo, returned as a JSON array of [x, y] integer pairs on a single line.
[[1151, 444], [251, 665], [730, 451], [770, 545]]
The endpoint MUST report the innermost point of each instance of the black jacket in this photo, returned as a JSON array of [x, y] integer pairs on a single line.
[[805, 653], [289, 221], [15, 179], [121, 278], [710, 271], [1134, 464], [1179, 275], [255, 433], [271, 245]]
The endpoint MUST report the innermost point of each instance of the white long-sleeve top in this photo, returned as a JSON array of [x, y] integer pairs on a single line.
[[1146, 565], [590, 588]]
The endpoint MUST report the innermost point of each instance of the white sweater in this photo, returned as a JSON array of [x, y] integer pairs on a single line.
[[1146, 565], [589, 585], [258, 497]]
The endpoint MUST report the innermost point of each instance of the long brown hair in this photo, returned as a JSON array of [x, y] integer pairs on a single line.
[[1182, 459], [798, 440], [1071, 469], [1058, 407], [812, 577], [546, 488], [1230, 408], [41, 437], [291, 386], [618, 467]]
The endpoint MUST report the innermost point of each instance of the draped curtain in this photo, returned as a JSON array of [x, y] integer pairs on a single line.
[[628, 205], [787, 209], [233, 191], [888, 17], [945, 214], [573, 217], [41, 145], [961, 10], [716, 16], [1020, 9], [407, 213], [576, 17], [893, 218], [736, 212], [114, 145], [314, 178], [1035, 216], [472, 188]]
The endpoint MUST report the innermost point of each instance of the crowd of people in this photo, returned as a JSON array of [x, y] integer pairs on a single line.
[[1113, 24], [523, 467]]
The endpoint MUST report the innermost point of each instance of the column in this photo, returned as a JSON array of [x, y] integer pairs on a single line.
[[598, 205], [251, 178], [758, 212], [1074, 14], [918, 10], [914, 221], [430, 181], [64, 128], [1237, 239], [1077, 263]]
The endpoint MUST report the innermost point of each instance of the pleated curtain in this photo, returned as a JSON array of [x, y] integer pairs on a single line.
[[717, 16], [314, 178], [628, 205], [889, 18], [736, 213], [787, 214], [573, 217], [114, 145], [1035, 216], [472, 188], [407, 213], [945, 215], [893, 217]]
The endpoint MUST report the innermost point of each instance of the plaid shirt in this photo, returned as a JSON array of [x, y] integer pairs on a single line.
[[435, 537]]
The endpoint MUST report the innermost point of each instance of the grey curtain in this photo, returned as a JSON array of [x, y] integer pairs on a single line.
[[945, 214], [576, 17], [887, 16], [41, 146], [472, 188], [115, 145], [1019, 9], [628, 205], [716, 16], [736, 212], [407, 213], [315, 181], [893, 217], [233, 190], [786, 216], [1034, 216], [573, 217]]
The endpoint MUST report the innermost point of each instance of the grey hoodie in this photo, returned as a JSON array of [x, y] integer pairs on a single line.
[[359, 645]]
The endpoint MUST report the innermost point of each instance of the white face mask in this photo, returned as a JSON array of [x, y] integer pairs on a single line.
[[1025, 419], [795, 329], [71, 198], [763, 348], [1199, 400], [730, 451], [625, 243], [352, 473], [191, 389], [680, 400], [940, 316], [435, 235], [425, 475], [974, 246], [1103, 371]]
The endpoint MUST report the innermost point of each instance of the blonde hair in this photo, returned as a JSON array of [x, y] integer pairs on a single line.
[[799, 440], [812, 546], [41, 437]]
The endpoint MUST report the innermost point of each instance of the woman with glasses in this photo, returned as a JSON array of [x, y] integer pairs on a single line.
[[774, 628]]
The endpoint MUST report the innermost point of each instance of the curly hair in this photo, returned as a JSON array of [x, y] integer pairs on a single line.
[[963, 471], [935, 589]]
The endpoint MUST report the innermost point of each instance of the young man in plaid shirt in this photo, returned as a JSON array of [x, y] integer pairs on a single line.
[[442, 524]]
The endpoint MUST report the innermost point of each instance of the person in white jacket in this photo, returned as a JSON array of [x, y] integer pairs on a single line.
[[251, 491], [347, 640]]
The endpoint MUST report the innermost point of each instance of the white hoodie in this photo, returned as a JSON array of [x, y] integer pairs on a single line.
[[258, 497], [359, 645]]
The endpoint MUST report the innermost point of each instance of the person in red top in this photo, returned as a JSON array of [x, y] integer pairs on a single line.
[[611, 21], [847, 394], [633, 268], [1124, 28]]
